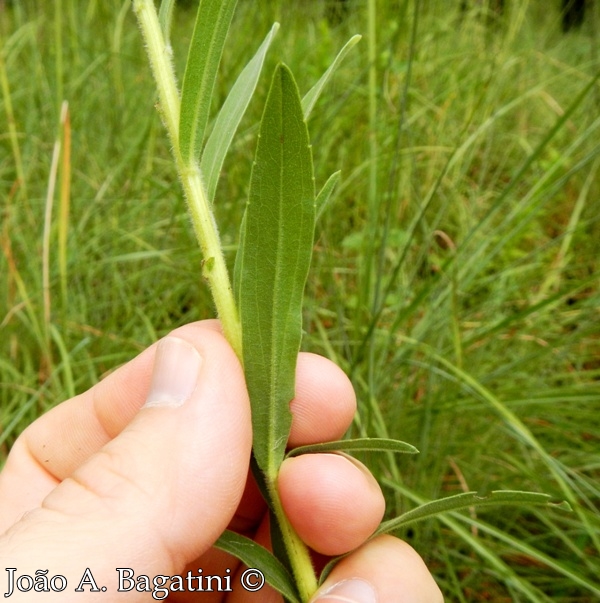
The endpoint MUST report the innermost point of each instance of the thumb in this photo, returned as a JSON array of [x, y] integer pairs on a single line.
[[383, 569], [161, 492]]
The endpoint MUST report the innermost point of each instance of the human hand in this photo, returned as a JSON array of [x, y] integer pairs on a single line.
[[146, 469]]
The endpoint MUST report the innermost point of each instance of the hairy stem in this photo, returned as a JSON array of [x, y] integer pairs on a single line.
[[214, 267], [304, 573]]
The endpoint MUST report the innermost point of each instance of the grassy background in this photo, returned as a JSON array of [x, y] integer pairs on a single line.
[[455, 275]]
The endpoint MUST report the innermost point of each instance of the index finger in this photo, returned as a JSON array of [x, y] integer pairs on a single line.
[[52, 447]]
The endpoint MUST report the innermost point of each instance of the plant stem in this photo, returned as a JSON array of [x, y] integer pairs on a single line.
[[299, 557], [214, 266]]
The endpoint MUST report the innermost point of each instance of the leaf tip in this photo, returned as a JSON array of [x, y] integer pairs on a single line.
[[562, 506]]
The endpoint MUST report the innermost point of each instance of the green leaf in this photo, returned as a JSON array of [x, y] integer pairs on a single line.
[[325, 193], [272, 266], [515, 542], [466, 500], [311, 97], [458, 502], [256, 556], [212, 24], [372, 444], [165, 17], [230, 116]]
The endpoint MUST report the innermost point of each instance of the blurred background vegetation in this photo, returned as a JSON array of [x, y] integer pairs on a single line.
[[455, 275]]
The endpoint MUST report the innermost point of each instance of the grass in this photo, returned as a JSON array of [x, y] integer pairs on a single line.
[[455, 275]]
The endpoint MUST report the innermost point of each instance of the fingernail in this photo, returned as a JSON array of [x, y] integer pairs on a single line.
[[353, 590], [176, 367]]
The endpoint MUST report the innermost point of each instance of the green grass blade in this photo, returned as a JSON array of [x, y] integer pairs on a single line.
[[273, 263], [500, 202], [365, 444], [206, 48], [255, 555], [66, 365], [466, 500], [554, 276], [569, 571], [520, 431], [311, 97], [230, 115]]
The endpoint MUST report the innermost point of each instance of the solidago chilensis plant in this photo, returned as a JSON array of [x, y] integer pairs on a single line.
[[261, 313]]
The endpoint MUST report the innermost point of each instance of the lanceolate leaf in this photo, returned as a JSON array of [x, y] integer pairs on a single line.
[[256, 556], [230, 116], [272, 266], [311, 97], [325, 193], [367, 444], [458, 502], [466, 500], [212, 24]]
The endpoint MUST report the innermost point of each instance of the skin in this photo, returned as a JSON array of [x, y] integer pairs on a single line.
[[100, 482]]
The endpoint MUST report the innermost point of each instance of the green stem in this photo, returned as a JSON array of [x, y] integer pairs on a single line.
[[214, 266], [215, 269], [304, 573]]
